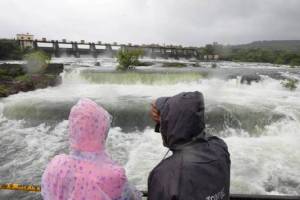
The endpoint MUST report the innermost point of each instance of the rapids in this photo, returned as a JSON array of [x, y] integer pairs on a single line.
[[260, 122]]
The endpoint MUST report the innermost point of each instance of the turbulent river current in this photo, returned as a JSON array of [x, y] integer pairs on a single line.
[[260, 122]]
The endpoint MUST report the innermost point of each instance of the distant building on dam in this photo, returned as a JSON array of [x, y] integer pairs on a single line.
[[25, 40]]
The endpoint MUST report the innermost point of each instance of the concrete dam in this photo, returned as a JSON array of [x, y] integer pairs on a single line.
[[76, 49]]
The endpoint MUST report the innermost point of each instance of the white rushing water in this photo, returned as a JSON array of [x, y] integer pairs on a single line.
[[260, 123]]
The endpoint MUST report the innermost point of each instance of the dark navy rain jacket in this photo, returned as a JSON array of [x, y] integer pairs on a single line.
[[199, 168]]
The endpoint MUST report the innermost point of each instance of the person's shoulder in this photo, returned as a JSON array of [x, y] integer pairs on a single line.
[[217, 142], [54, 165], [219, 146], [57, 160], [60, 158]]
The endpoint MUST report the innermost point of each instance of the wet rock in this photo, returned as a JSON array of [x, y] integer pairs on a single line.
[[249, 78], [174, 64], [196, 64], [40, 81], [13, 78], [214, 65], [54, 68], [146, 63], [11, 70]]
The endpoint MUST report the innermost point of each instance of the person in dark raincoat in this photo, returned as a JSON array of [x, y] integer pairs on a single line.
[[199, 168]]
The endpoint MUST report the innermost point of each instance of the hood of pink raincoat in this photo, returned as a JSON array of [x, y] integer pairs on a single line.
[[88, 126]]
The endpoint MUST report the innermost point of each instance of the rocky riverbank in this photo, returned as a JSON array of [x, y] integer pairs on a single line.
[[14, 78]]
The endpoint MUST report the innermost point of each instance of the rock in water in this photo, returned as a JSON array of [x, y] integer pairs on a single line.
[[214, 65], [14, 79], [249, 78], [54, 68], [11, 70]]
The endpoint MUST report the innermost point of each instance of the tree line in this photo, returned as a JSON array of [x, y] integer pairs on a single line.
[[11, 50], [264, 55]]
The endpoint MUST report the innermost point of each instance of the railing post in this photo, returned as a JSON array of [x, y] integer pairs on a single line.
[[108, 50], [56, 48], [93, 49], [35, 45], [75, 50]]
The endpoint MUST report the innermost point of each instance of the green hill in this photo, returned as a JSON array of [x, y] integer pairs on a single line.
[[278, 52], [284, 45]]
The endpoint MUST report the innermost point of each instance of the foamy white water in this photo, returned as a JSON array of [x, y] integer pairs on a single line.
[[260, 123]]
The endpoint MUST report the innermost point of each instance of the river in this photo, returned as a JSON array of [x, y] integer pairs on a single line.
[[259, 122]]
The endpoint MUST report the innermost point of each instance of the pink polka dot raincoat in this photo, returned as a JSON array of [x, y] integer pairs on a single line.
[[87, 173]]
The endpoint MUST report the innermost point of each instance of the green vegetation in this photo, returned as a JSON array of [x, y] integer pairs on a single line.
[[209, 50], [173, 64], [265, 56], [24, 78], [13, 78], [295, 61], [37, 61], [128, 59], [131, 78], [8, 72], [275, 52], [290, 84], [283, 45], [4, 91], [10, 50], [11, 70]]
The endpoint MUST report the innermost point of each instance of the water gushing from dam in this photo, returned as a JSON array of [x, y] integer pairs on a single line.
[[260, 122]]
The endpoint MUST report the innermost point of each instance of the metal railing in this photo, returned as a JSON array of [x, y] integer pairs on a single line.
[[37, 188]]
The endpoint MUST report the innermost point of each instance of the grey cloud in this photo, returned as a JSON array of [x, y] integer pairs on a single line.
[[192, 22]]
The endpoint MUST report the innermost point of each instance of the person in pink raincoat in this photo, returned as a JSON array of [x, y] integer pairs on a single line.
[[87, 173]]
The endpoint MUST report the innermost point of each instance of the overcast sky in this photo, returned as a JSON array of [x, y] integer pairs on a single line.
[[185, 22]]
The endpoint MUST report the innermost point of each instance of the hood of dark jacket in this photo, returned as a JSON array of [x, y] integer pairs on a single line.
[[181, 118]]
